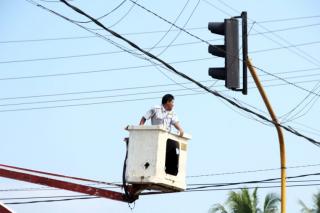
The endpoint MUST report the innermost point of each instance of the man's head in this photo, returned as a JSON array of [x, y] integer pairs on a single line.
[[168, 102]]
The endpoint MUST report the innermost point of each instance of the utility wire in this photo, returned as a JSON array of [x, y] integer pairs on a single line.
[[289, 19], [158, 47], [149, 32], [252, 171], [101, 70], [187, 77], [150, 48], [172, 24], [192, 176], [178, 34], [57, 175], [103, 16], [166, 33], [110, 96], [179, 73], [303, 54], [181, 29], [84, 197], [202, 186]]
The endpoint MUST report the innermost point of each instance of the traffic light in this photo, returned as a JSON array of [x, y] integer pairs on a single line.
[[230, 51]]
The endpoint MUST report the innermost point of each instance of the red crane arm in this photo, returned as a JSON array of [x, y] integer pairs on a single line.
[[75, 187], [4, 209]]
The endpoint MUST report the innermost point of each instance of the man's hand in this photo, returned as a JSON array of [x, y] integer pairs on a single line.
[[142, 121], [178, 127], [181, 132]]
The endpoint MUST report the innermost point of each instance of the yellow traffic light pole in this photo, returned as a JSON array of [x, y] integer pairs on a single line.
[[280, 134]]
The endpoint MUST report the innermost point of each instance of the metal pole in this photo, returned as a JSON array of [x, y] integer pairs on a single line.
[[280, 135], [244, 52]]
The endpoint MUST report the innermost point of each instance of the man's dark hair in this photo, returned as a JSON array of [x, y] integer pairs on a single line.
[[167, 98]]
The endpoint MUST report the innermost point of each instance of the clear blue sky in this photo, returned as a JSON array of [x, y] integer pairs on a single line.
[[86, 140]]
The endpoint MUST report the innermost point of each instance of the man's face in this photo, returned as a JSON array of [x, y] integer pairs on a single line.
[[169, 105]]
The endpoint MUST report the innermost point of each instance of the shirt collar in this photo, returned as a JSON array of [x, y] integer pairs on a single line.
[[163, 109]]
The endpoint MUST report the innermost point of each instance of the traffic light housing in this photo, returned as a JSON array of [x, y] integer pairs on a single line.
[[230, 51]]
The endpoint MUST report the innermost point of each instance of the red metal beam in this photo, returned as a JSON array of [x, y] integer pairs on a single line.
[[4, 209], [63, 185]]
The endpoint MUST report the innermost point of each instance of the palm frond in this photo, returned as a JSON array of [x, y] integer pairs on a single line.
[[271, 203], [218, 208]]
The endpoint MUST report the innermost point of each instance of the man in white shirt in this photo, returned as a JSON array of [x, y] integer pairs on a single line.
[[163, 115]]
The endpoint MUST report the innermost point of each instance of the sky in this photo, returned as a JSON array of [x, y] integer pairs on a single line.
[[67, 94]]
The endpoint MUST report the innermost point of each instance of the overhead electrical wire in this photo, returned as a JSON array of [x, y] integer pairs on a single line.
[[155, 193], [178, 34], [310, 92], [166, 33], [276, 35], [197, 188], [67, 19], [93, 36], [289, 116], [109, 96], [105, 102], [255, 119], [190, 176], [172, 24], [290, 45], [148, 32], [105, 15], [177, 72], [203, 188], [289, 19], [252, 171], [98, 71], [303, 54], [99, 102], [150, 48], [124, 16], [187, 77]]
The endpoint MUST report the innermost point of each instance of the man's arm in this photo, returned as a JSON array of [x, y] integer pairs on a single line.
[[178, 127], [142, 121]]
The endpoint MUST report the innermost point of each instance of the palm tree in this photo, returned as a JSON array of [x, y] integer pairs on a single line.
[[316, 201], [244, 202]]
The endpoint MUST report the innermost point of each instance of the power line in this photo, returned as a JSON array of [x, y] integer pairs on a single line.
[[178, 34], [166, 33], [89, 54], [149, 11], [288, 19], [107, 96], [251, 171], [155, 193], [172, 24], [158, 47], [105, 15], [305, 55], [110, 102], [187, 77], [215, 185], [285, 47], [58, 175], [176, 71], [192, 176], [99, 71], [93, 36], [154, 47], [148, 32], [195, 189], [288, 82]]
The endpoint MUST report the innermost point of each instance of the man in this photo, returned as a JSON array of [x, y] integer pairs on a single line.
[[163, 115]]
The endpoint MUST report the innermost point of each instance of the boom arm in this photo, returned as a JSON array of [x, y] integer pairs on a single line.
[[60, 184]]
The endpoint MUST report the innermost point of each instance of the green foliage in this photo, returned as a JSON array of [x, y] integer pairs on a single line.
[[244, 202], [316, 205]]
